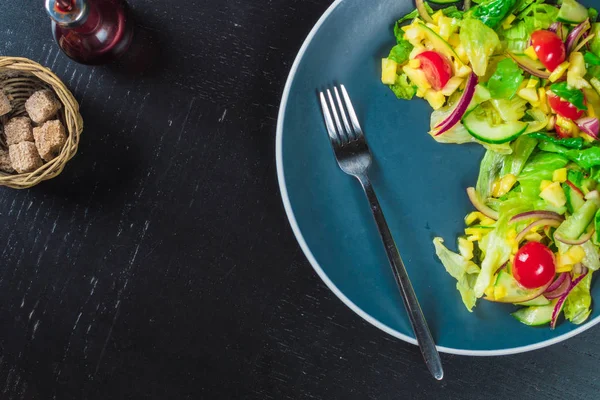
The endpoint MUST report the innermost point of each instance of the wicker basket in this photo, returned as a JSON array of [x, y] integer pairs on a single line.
[[19, 78]]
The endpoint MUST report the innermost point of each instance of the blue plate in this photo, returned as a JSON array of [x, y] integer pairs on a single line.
[[421, 185]]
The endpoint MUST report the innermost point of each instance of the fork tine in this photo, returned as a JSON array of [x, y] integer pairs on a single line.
[[340, 105], [357, 129], [328, 121], [342, 134]]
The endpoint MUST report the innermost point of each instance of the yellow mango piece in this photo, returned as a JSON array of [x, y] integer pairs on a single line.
[[576, 254], [559, 72], [544, 184], [530, 52], [559, 175], [388, 71]]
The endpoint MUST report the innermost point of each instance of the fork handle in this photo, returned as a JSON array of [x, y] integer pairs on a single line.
[[415, 314]]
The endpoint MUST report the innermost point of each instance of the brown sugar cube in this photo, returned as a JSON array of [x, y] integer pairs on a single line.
[[18, 130], [24, 157], [5, 162], [41, 106], [5, 106], [50, 139]]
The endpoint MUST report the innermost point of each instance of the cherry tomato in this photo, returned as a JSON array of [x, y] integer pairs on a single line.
[[564, 108], [549, 48], [436, 67], [534, 265]]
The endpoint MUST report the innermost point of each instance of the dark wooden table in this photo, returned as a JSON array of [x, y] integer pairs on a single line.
[[160, 264]]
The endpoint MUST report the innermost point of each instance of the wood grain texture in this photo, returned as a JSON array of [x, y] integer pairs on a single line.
[[160, 263]]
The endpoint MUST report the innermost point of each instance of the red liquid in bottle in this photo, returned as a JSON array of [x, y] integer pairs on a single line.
[[102, 36]]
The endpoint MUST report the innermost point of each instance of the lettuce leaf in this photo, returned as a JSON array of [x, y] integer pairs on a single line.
[[539, 168], [402, 88], [571, 143], [522, 149], [497, 247], [480, 42], [401, 52], [464, 271], [516, 37], [489, 171], [506, 80], [595, 42], [585, 158], [538, 16], [493, 12], [578, 302]]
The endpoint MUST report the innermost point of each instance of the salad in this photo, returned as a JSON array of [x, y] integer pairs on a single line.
[[522, 78]]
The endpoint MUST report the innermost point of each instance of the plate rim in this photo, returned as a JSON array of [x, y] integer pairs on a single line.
[[312, 260]]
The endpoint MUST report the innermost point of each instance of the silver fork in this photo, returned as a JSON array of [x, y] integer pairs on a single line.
[[354, 158]]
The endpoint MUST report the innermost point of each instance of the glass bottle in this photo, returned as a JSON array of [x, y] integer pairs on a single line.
[[91, 31]]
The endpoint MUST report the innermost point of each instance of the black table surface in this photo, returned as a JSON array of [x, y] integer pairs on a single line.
[[161, 265]]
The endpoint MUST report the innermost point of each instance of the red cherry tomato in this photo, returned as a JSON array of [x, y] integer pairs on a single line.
[[534, 265], [564, 108], [436, 67], [549, 48]]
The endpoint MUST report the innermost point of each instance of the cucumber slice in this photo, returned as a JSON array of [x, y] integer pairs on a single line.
[[480, 128], [575, 225], [511, 291], [574, 198], [571, 12], [538, 301], [536, 315], [440, 44]]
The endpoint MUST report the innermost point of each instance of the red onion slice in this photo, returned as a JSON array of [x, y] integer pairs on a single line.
[[576, 34], [581, 240], [536, 215], [561, 289], [589, 125], [559, 305], [462, 106], [546, 222], [423, 11], [557, 282], [528, 65], [479, 205]]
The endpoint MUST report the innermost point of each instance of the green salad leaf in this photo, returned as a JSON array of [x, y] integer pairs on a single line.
[[453, 12], [593, 14], [493, 12], [540, 167], [464, 271], [522, 149], [538, 16], [570, 143], [585, 158], [578, 302], [401, 52], [573, 96], [489, 171], [402, 88], [505, 81], [595, 42], [480, 42], [497, 246], [591, 59], [516, 37]]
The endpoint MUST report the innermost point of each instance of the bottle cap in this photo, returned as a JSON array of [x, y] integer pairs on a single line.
[[74, 17]]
